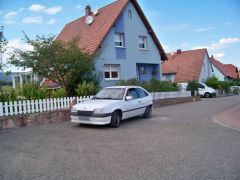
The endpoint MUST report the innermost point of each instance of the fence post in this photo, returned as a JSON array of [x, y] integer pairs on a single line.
[[1, 109], [20, 107], [40, 105], [15, 108], [24, 107], [28, 106], [32, 106], [6, 108], [44, 104]]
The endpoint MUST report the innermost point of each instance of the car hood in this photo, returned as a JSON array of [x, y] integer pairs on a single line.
[[91, 105]]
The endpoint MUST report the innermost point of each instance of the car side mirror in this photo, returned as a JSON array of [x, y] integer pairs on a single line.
[[129, 98]]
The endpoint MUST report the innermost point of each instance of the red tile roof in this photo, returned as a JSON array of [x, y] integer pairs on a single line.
[[50, 84], [220, 66], [186, 65], [91, 36], [232, 71]]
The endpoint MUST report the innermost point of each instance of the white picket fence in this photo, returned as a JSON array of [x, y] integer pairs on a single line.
[[43, 105], [169, 95], [37, 106]]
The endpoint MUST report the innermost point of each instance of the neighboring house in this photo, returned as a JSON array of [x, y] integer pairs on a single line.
[[184, 66], [18, 78], [49, 84], [232, 71], [122, 39], [219, 69]]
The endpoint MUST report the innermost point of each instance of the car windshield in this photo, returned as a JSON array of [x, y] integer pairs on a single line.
[[111, 93]]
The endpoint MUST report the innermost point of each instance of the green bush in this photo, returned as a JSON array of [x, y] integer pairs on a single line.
[[33, 91], [153, 86], [193, 87], [8, 95], [86, 89], [212, 82], [58, 93]]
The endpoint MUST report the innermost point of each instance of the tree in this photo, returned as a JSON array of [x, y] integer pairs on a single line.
[[3, 44], [64, 63], [193, 87], [213, 82]]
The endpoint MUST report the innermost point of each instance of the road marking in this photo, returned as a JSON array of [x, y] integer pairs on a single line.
[[215, 119], [161, 119]]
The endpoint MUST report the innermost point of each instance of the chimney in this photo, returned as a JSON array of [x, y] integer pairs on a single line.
[[212, 57], [179, 51], [88, 10]]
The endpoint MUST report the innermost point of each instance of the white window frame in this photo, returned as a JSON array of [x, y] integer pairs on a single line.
[[121, 40], [142, 40], [111, 66]]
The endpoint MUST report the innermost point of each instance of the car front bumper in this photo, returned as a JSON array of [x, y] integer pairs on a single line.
[[91, 120]]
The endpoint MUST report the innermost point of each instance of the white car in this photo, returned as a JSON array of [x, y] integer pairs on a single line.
[[206, 91], [113, 104]]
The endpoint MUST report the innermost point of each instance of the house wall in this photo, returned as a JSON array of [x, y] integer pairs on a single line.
[[206, 71], [129, 56], [218, 74]]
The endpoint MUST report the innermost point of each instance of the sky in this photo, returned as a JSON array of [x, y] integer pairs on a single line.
[[179, 24]]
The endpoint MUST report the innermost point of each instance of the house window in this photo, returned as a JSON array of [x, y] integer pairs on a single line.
[[119, 40], [111, 72], [142, 42], [129, 14]]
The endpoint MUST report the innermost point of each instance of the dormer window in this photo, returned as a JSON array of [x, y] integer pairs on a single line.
[[142, 42], [129, 14], [119, 40]]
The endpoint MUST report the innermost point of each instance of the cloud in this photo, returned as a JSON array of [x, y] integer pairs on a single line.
[[36, 7], [42, 9], [10, 15], [78, 6], [9, 21], [15, 44], [219, 55], [33, 20], [165, 47], [21, 9], [51, 21], [184, 45], [204, 29], [53, 10], [222, 43]]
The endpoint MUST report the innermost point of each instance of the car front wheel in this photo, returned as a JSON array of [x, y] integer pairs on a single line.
[[116, 118], [148, 112], [207, 95]]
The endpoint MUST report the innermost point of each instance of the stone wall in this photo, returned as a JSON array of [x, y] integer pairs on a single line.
[[34, 119], [173, 101]]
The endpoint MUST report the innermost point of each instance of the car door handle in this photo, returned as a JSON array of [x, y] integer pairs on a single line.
[[139, 101]]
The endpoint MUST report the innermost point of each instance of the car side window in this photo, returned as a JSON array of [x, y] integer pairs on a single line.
[[141, 93], [201, 86], [133, 93]]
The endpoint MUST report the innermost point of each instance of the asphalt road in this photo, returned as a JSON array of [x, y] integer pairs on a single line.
[[179, 142]]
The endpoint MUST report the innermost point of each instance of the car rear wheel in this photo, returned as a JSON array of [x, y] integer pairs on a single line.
[[148, 112], [207, 95], [116, 119]]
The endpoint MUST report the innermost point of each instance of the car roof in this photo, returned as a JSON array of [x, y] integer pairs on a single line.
[[122, 87]]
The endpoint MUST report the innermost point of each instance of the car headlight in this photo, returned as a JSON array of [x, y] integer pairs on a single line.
[[74, 110], [98, 111]]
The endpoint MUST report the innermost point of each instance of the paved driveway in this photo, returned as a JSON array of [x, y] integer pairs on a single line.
[[179, 142]]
